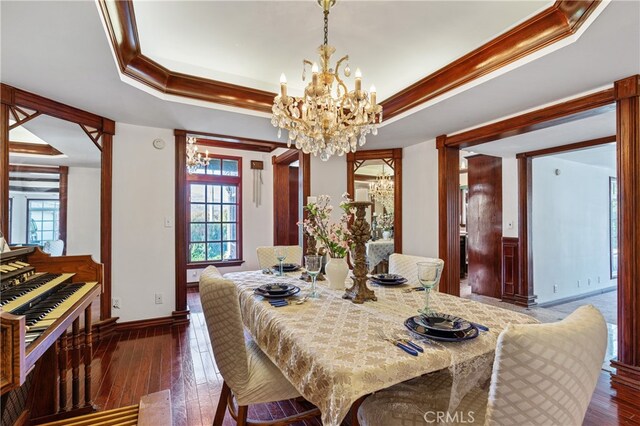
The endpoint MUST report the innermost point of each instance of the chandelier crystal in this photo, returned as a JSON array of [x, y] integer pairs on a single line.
[[195, 160], [381, 190], [329, 119]]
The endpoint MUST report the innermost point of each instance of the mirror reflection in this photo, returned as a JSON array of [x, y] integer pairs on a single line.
[[377, 177], [54, 188]]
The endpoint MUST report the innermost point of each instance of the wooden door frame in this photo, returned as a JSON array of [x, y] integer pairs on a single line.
[[624, 97], [304, 176], [100, 131], [395, 155]]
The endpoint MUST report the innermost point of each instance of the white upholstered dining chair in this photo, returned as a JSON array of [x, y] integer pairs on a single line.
[[267, 255], [405, 265], [543, 374], [249, 376]]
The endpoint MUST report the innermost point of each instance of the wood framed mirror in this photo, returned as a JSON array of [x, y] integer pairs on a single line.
[[55, 180], [367, 168]]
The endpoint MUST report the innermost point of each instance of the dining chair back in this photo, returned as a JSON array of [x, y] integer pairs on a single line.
[[406, 265], [221, 308], [267, 255], [546, 373]]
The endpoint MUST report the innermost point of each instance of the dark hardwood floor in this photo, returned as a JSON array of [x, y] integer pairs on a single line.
[[132, 364]]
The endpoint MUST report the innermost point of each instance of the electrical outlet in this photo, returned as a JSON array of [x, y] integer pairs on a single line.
[[555, 288], [168, 222], [578, 283], [159, 299], [115, 302], [194, 274], [510, 225]]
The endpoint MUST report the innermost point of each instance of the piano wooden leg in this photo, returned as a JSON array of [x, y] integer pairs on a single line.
[[75, 364], [88, 354], [62, 371]]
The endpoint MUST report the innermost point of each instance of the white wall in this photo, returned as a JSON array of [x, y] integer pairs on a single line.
[[570, 228], [330, 178], [83, 212], [143, 248], [510, 197], [420, 199]]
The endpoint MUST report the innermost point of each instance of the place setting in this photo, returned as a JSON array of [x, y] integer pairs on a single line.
[[389, 280]]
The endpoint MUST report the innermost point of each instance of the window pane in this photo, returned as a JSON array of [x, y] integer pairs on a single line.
[[214, 167], [230, 167], [51, 205], [213, 194], [197, 193], [197, 252], [229, 251], [228, 213], [47, 236], [197, 232], [199, 170], [214, 251], [229, 231], [213, 232], [197, 213], [213, 213], [229, 194], [47, 226]]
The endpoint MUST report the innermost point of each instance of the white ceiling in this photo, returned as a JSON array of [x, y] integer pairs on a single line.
[[81, 71], [66, 137], [593, 127], [599, 156], [394, 43]]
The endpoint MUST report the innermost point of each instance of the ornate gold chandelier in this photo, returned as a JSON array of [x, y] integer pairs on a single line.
[[329, 119], [195, 160], [381, 190]]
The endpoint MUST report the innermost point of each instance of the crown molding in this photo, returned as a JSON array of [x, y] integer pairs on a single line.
[[553, 24]]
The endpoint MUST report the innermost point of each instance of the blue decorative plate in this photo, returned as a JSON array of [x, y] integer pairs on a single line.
[[291, 292], [398, 282], [387, 277], [437, 321], [286, 267], [278, 288], [444, 336]]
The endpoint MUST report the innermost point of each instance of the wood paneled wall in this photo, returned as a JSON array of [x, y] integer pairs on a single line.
[[510, 268]]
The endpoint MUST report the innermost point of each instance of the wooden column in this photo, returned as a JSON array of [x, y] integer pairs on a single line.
[[88, 356], [4, 170], [627, 94], [105, 218], [62, 371], [524, 290], [181, 220], [449, 215], [75, 364]]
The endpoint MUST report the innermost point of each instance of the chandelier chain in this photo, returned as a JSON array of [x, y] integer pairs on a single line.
[[326, 27]]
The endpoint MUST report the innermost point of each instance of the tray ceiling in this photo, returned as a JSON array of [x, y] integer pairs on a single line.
[[250, 43]]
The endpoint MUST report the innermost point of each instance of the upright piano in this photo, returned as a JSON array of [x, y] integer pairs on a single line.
[[43, 301]]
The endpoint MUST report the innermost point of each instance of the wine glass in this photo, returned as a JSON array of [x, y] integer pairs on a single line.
[[429, 273], [281, 255], [313, 264]]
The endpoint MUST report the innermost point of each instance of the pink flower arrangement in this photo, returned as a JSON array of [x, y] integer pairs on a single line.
[[336, 237]]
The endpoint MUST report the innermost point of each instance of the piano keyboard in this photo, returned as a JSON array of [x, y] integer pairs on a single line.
[[14, 298], [45, 310]]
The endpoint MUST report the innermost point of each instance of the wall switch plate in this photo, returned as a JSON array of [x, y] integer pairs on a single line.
[[168, 222], [555, 288], [510, 225], [115, 302], [159, 299]]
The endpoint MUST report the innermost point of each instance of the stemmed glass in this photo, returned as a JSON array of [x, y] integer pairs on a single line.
[[281, 255], [313, 265], [429, 273]]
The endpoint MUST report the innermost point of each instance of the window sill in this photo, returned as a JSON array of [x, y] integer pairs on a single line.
[[217, 264]]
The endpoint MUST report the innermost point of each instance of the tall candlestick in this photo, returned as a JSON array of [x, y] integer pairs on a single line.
[[362, 194]]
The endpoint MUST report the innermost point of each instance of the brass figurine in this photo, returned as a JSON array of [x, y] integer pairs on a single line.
[[361, 231]]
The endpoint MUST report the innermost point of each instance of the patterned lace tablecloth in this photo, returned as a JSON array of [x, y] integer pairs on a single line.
[[330, 350], [377, 251]]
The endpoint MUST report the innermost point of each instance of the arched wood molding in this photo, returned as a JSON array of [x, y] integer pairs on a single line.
[[551, 25], [357, 158], [16, 98]]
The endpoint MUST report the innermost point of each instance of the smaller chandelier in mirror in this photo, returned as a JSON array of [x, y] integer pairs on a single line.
[[381, 190], [195, 159], [329, 119]]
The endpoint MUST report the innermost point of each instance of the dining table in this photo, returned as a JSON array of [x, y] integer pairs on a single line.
[[332, 350]]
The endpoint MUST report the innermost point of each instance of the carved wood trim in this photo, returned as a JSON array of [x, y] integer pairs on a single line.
[[32, 148], [559, 21], [510, 270], [564, 112], [524, 295]]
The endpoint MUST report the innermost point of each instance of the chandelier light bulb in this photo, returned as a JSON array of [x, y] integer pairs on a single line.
[[283, 79], [314, 68], [358, 73]]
